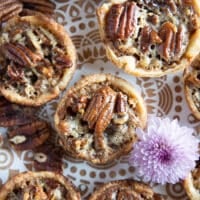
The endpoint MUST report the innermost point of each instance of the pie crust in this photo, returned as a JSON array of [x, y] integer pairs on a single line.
[[150, 38], [192, 184], [124, 189], [39, 185], [192, 86], [37, 59], [97, 117]]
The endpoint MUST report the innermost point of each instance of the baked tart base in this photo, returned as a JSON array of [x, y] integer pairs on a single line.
[[37, 60], [97, 117], [150, 38], [124, 189], [39, 185], [192, 184], [192, 87]]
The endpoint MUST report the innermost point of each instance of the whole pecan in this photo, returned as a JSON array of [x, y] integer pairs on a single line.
[[9, 9], [21, 55], [44, 6], [12, 114], [99, 113], [121, 103], [63, 61], [29, 136], [121, 20], [172, 38]]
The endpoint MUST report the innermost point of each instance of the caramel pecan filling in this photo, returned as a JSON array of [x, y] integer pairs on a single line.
[[32, 59], [151, 31], [40, 188], [98, 118]]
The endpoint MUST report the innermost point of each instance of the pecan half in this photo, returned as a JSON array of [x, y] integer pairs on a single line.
[[173, 39], [12, 114], [44, 6], [9, 9], [49, 158], [29, 136], [167, 33], [99, 113], [121, 20], [21, 55], [148, 37], [121, 103]]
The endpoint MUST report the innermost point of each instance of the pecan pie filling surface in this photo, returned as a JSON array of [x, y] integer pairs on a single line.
[[39, 185], [96, 119], [152, 36], [36, 56]]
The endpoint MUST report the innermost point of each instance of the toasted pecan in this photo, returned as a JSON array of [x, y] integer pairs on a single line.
[[29, 136]]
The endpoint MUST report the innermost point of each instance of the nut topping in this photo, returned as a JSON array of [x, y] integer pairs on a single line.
[[120, 20], [29, 136], [121, 103], [21, 55], [15, 73], [167, 33], [63, 61], [9, 9], [148, 37], [12, 115], [99, 112]]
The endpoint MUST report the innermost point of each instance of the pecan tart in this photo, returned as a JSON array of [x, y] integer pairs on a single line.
[[97, 118], [150, 38], [39, 185], [192, 183], [124, 189], [37, 60], [192, 86]]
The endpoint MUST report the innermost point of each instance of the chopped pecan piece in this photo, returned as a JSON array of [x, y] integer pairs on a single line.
[[79, 104], [154, 19], [12, 115], [49, 158], [21, 54], [99, 113], [148, 37], [121, 20], [29, 136], [63, 61]]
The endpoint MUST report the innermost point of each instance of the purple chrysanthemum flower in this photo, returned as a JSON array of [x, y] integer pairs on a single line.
[[165, 153]]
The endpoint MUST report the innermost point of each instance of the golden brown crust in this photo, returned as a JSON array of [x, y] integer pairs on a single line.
[[131, 65], [20, 179], [192, 85], [60, 34], [92, 145], [192, 192], [126, 189]]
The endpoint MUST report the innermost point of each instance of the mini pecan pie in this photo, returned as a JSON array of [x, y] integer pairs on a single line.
[[37, 60], [97, 118], [192, 183], [150, 38], [192, 86], [39, 186], [124, 189]]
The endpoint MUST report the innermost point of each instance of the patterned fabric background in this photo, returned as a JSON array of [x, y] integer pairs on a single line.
[[164, 97]]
